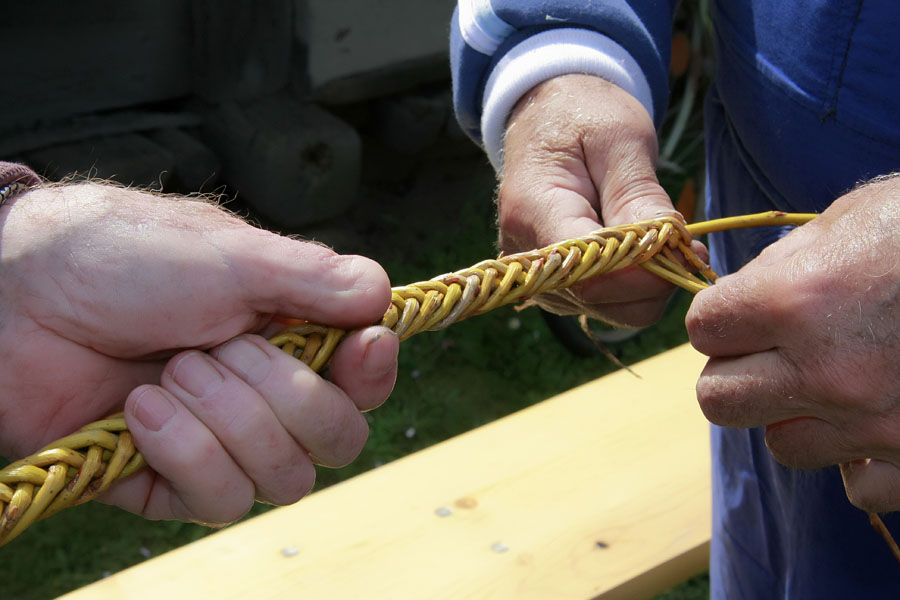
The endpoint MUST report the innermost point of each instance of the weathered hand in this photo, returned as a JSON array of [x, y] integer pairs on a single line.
[[580, 151], [110, 294], [805, 340]]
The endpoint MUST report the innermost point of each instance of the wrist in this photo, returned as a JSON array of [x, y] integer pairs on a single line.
[[548, 55]]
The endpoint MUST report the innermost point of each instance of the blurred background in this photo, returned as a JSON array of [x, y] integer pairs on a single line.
[[262, 100], [327, 119]]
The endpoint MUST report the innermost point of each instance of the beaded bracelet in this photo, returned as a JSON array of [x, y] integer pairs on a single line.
[[10, 190], [14, 179]]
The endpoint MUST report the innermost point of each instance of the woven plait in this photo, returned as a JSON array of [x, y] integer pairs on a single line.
[[81, 466], [443, 300], [70, 471]]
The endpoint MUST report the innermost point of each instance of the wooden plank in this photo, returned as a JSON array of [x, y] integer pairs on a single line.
[[601, 492]]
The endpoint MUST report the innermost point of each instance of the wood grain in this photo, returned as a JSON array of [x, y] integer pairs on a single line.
[[600, 492]]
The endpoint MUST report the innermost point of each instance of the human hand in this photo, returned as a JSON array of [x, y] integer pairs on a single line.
[[579, 151], [805, 341], [108, 291]]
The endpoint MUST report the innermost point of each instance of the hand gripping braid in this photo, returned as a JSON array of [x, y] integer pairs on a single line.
[[81, 466]]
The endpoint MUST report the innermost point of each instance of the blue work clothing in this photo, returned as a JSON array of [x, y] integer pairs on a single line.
[[805, 105]]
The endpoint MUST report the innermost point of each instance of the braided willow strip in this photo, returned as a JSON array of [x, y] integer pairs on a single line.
[[81, 466]]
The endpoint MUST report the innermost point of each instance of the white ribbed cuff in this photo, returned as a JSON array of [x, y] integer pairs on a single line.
[[480, 26], [550, 54]]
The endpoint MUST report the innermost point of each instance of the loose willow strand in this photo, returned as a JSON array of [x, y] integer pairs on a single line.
[[81, 466]]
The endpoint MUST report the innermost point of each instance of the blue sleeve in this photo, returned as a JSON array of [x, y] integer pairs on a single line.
[[492, 27]]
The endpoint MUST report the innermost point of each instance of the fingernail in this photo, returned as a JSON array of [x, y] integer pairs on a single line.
[[246, 359], [196, 374], [152, 409], [378, 359]]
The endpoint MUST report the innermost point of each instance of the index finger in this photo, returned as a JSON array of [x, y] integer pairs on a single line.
[[742, 314]]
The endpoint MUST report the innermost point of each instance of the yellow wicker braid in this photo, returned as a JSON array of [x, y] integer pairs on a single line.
[[79, 467]]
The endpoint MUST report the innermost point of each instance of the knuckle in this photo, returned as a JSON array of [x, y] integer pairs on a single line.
[[709, 315], [861, 500], [239, 510], [200, 452], [294, 480], [847, 380], [228, 514], [782, 446], [350, 440], [516, 228], [872, 485], [713, 394], [334, 433], [867, 499], [222, 504]]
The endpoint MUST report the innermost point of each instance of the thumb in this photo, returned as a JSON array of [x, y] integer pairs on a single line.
[[306, 280], [630, 191]]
